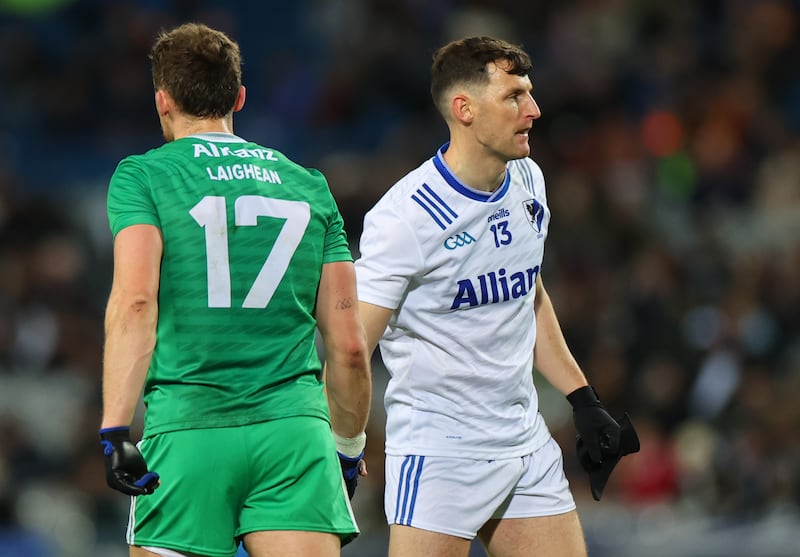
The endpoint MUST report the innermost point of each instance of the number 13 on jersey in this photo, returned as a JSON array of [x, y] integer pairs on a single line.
[[211, 214]]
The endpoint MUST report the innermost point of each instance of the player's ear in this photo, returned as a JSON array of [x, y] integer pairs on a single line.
[[461, 108], [164, 102], [240, 99]]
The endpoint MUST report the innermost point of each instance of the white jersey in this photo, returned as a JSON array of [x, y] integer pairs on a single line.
[[459, 268]]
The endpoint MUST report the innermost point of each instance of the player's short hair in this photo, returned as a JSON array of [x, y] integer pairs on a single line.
[[463, 62], [200, 67]]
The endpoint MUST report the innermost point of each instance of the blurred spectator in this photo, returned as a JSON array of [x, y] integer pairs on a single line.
[[670, 137]]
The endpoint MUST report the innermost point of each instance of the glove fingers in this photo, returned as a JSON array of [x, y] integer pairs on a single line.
[[627, 443], [125, 487], [584, 455], [609, 441], [148, 482], [595, 453], [129, 485]]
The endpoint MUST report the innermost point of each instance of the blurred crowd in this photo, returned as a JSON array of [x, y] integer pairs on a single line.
[[670, 143]]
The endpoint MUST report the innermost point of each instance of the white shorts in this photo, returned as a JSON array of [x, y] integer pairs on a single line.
[[457, 496]]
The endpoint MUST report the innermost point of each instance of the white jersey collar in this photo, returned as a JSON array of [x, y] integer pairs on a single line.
[[220, 137]]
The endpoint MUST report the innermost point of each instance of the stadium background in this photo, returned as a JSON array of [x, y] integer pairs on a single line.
[[670, 141]]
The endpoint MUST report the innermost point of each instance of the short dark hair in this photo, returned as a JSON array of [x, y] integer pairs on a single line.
[[464, 62], [200, 67]]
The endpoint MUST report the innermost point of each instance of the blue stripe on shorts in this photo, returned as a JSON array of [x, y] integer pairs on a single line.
[[407, 489]]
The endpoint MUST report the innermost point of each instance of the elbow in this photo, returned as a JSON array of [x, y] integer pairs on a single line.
[[350, 353], [139, 308], [354, 353], [139, 301], [131, 311], [141, 304]]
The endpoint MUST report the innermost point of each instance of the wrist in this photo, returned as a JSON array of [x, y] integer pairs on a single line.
[[583, 396], [351, 447], [113, 435], [113, 428]]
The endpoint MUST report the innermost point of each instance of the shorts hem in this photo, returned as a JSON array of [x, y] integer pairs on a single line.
[[182, 549], [342, 533], [544, 513], [439, 530]]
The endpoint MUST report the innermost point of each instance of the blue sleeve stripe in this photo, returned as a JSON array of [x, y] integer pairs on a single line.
[[429, 211], [434, 205], [440, 200], [527, 176]]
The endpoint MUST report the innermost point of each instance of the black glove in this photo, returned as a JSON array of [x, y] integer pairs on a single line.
[[599, 473], [599, 437], [126, 470], [350, 471]]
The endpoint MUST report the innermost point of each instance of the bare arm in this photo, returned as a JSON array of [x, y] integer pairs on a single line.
[[551, 353], [348, 379], [375, 319], [130, 323], [599, 435]]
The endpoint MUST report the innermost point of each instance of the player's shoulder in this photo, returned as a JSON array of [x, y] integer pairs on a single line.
[[528, 167], [142, 157], [142, 167], [141, 161], [399, 198], [132, 166], [528, 174]]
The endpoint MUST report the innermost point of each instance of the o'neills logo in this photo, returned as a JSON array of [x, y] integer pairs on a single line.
[[500, 214]]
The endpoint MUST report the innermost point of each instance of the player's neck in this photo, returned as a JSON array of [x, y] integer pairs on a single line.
[[186, 126], [473, 167]]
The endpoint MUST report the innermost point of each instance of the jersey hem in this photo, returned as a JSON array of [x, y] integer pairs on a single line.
[[338, 258]]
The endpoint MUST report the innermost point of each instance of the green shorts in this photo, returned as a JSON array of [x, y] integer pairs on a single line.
[[218, 484]]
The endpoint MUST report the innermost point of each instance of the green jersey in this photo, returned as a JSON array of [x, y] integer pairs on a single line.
[[246, 232]]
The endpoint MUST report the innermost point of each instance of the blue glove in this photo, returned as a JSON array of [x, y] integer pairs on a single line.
[[350, 471], [126, 470]]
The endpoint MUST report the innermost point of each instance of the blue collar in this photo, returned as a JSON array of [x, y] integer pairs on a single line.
[[466, 191]]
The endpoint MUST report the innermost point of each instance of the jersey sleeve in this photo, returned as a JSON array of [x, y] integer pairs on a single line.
[[336, 246], [541, 194], [129, 199], [538, 181], [389, 259]]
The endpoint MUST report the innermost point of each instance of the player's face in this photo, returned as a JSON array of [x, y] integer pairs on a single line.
[[505, 114]]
